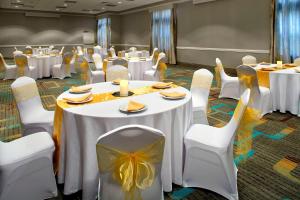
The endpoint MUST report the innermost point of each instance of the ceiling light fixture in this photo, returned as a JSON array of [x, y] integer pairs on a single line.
[[120, 2]]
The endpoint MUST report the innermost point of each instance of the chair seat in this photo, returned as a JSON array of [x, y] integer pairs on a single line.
[[150, 72], [40, 117], [205, 135], [31, 67]]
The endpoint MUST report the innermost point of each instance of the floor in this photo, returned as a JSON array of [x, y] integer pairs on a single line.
[[267, 156]]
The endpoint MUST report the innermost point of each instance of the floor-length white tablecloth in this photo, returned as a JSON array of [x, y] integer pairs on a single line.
[[43, 63], [84, 124], [285, 89]]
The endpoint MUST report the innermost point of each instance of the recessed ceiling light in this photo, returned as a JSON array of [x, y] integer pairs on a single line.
[[65, 4], [57, 9], [103, 8], [119, 2], [19, 1]]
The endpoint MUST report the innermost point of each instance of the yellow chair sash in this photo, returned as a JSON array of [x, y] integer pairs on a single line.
[[133, 171], [21, 63], [25, 92], [218, 76], [162, 70]]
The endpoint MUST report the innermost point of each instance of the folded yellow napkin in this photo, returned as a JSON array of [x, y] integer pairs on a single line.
[[162, 85], [117, 81], [264, 63], [290, 65], [134, 106], [173, 94], [268, 69], [78, 99], [297, 70], [80, 89]]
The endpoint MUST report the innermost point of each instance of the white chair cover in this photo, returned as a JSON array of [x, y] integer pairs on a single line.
[[297, 61], [260, 97], [153, 74], [11, 71], [229, 85], [155, 50], [209, 160], [112, 52], [30, 71], [120, 61], [17, 52], [138, 146], [249, 60], [117, 72], [200, 87], [95, 76], [65, 68], [34, 117], [26, 170], [62, 50], [98, 61], [132, 49]]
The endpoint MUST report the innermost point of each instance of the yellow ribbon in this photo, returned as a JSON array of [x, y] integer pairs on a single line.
[[162, 70], [218, 76], [21, 63], [25, 92], [84, 66], [133, 171]]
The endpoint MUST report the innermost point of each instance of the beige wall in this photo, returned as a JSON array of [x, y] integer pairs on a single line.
[[227, 26], [17, 29]]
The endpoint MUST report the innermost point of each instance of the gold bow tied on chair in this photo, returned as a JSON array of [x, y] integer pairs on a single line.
[[133, 171]]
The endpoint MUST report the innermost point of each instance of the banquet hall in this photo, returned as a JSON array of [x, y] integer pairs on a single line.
[[149, 99]]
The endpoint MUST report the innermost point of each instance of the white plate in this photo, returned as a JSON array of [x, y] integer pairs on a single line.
[[123, 108], [172, 98], [82, 102]]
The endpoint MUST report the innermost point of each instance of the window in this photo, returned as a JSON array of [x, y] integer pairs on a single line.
[[287, 23], [163, 28], [103, 35]]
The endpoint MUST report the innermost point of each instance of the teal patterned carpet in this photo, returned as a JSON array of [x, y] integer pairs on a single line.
[[269, 165]]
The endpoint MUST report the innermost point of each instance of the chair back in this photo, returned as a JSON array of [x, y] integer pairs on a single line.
[[120, 61], [28, 50], [220, 69], [248, 79], [132, 49], [79, 50], [200, 87], [62, 50], [2, 62], [112, 52], [129, 162], [116, 72], [249, 60], [231, 128], [27, 97], [98, 61], [297, 61], [17, 52], [161, 58]]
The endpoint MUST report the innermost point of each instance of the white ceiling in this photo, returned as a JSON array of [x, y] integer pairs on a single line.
[[75, 6]]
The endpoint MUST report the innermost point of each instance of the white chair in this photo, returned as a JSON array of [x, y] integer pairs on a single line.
[[62, 50], [26, 170], [297, 61], [80, 55], [133, 49], [153, 74], [34, 117], [209, 160], [72, 64], [130, 145], [117, 72], [113, 52], [17, 52], [120, 61], [28, 50], [229, 85], [11, 71], [64, 69], [155, 51], [95, 76], [200, 87], [260, 97], [98, 61], [21, 61], [249, 60]]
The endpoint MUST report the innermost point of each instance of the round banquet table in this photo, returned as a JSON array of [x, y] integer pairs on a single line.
[[82, 126], [44, 63], [285, 89], [137, 67]]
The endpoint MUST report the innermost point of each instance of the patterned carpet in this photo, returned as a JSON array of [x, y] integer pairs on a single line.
[[268, 157]]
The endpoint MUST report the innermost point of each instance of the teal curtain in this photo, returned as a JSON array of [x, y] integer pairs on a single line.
[[164, 32], [287, 30], [103, 32]]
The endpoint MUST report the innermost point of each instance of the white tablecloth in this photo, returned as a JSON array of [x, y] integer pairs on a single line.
[[285, 89], [136, 67], [83, 125], [43, 63], [139, 54]]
